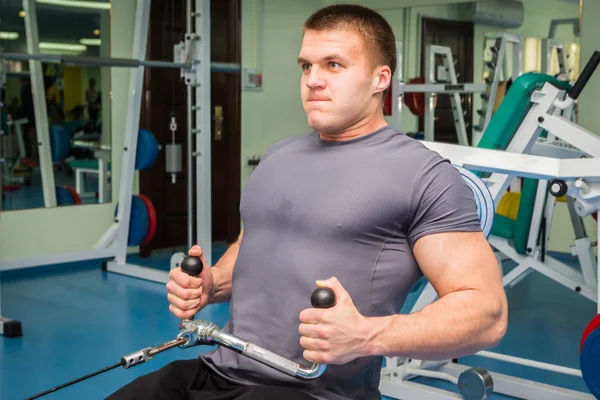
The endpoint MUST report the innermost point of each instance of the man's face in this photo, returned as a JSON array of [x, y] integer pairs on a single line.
[[338, 83]]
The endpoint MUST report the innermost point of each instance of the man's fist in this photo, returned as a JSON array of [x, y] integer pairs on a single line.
[[188, 294]]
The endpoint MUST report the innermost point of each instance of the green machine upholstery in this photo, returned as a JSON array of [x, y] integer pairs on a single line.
[[85, 164], [516, 104], [518, 230], [500, 132]]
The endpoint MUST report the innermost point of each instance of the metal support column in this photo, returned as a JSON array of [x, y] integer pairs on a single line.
[[136, 80], [202, 127], [39, 105]]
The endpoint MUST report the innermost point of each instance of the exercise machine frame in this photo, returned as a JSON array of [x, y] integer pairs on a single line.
[[499, 58], [16, 127], [196, 68], [431, 88], [583, 180]]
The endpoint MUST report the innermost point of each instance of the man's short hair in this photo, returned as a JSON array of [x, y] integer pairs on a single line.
[[371, 26]]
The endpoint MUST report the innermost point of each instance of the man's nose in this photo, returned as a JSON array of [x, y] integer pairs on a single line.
[[315, 79]]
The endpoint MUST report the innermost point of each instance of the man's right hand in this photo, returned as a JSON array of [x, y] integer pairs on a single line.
[[188, 294]]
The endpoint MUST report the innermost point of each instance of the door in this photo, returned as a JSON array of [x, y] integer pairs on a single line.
[[226, 46], [165, 95], [458, 36]]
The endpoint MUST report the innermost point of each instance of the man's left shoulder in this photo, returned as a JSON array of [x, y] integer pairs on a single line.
[[411, 154]]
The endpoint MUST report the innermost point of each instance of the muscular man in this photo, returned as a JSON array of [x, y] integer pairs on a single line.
[[353, 206]]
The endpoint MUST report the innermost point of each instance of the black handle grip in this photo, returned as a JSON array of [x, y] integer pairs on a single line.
[[192, 265], [322, 298], [585, 75]]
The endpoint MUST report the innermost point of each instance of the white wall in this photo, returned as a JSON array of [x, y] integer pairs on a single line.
[[43, 232], [275, 112]]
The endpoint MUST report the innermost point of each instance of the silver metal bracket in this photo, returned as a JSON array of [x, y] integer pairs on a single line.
[[186, 52], [136, 358]]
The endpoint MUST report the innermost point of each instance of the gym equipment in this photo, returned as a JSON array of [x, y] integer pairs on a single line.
[[548, 47], [138, 223], [590, 368], [60, 143], [147, 150], [415, 101], [173, 153], [192, 58], [475, 384], [100, 167], [425, 95], [591, 326], [483, 199], [142, 223], [13, 170], [508, 206], [421, 98], [533, 105], [67, 196], [198, 332], [497, 66], [152, 222]]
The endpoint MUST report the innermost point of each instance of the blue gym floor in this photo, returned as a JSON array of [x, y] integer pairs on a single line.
[[78, 319]]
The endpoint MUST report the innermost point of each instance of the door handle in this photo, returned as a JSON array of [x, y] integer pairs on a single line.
[[218, 118]]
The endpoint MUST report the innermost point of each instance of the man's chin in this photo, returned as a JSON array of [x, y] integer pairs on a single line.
[[321, 125]]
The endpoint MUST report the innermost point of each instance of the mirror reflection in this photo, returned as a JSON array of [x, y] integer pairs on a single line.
[[74, 163]]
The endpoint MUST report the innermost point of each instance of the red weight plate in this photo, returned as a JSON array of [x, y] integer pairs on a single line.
[[74, 193], [416, 101], [151, 218], [594, 323]]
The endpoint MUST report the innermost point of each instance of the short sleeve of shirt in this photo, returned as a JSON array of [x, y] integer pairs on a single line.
[[441, 201]]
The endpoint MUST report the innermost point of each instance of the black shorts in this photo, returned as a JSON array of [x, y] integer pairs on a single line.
[[193, 380]]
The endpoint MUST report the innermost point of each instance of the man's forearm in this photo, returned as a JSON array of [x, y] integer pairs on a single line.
[[456, 325], [222, 274]]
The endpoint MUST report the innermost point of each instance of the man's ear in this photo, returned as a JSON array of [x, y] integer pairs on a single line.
[[383, 76]]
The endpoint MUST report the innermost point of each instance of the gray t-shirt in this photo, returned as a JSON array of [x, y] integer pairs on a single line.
[[314, 209]]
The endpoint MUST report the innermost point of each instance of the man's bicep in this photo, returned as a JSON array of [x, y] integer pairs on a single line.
[[455, 261]]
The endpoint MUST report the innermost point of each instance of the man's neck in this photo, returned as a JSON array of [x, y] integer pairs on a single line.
[[355, 131]]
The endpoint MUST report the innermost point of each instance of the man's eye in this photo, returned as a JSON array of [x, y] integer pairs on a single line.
[[305, 67], [334, 64]]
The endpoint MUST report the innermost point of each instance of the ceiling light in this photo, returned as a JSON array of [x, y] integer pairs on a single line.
[[96, 32], [90, 41], [9, 35], [22, 13], [78, 4], [62, 46]]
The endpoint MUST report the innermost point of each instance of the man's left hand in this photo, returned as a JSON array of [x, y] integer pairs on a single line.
[[334, 335]]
